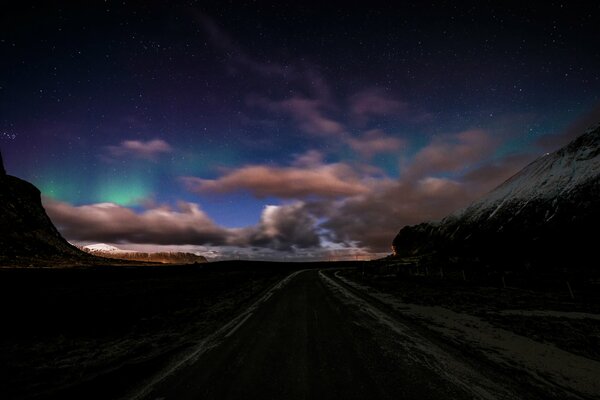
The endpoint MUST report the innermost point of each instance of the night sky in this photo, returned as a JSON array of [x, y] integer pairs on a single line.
[[309, 132]]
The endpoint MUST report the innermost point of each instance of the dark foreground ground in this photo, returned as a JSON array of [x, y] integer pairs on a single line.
[[102, 328], [294, 331], [305, 342], [541, 308]]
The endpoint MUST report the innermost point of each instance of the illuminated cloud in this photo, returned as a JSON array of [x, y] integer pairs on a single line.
[[307, 178], [109, 222], [139, 148], [310, 159], [374, 142]]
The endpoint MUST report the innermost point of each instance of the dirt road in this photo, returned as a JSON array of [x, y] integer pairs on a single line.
[[313, 338]]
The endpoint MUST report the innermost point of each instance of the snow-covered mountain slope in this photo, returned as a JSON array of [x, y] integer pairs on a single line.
[[545, 212], [548, 178], [109, 251], [103, 247]]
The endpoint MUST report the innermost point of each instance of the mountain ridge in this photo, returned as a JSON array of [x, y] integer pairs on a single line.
[[540, 216]]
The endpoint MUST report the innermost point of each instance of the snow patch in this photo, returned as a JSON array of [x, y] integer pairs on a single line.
[[104, 248]]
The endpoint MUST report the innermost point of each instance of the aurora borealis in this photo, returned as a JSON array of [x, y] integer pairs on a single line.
[[294, 130]]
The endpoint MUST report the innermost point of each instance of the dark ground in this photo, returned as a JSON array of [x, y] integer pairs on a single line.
[[302, 344], [316, 340], [66, 327], [489, 297], [141, 332]]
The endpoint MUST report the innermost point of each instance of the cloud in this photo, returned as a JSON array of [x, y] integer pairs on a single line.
[[584, 122], [375, 102], [318, 86], [108, 222], [138, 148], [495, 172], [307, 113], [378, 216], [281, 227], [310, 117], [314, 115], [284, 227], [308, 177], [451, 153], [342, 206], [420, 195], [310, 159], [375, 141], [357, 208]]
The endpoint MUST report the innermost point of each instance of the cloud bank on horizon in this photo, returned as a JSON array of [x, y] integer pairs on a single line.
[[355, 206], [222, 135]]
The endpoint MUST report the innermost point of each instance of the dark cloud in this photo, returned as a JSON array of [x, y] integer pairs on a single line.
[[374, 142], [138, 148], [494, 173], [376, 217], [375, 102], [286, 227], [450, 153], [309, 114], [223, 41]]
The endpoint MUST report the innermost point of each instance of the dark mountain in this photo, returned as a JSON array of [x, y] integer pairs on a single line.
[[27, 236], [546, 216]]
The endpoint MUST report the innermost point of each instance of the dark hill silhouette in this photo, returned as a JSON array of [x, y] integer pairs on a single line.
[[27, 236]]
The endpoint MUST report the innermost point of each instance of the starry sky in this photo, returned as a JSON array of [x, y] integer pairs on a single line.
[[296, 131]]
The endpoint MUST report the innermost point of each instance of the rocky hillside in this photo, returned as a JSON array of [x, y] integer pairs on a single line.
[[27, 236], [544, 216]]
